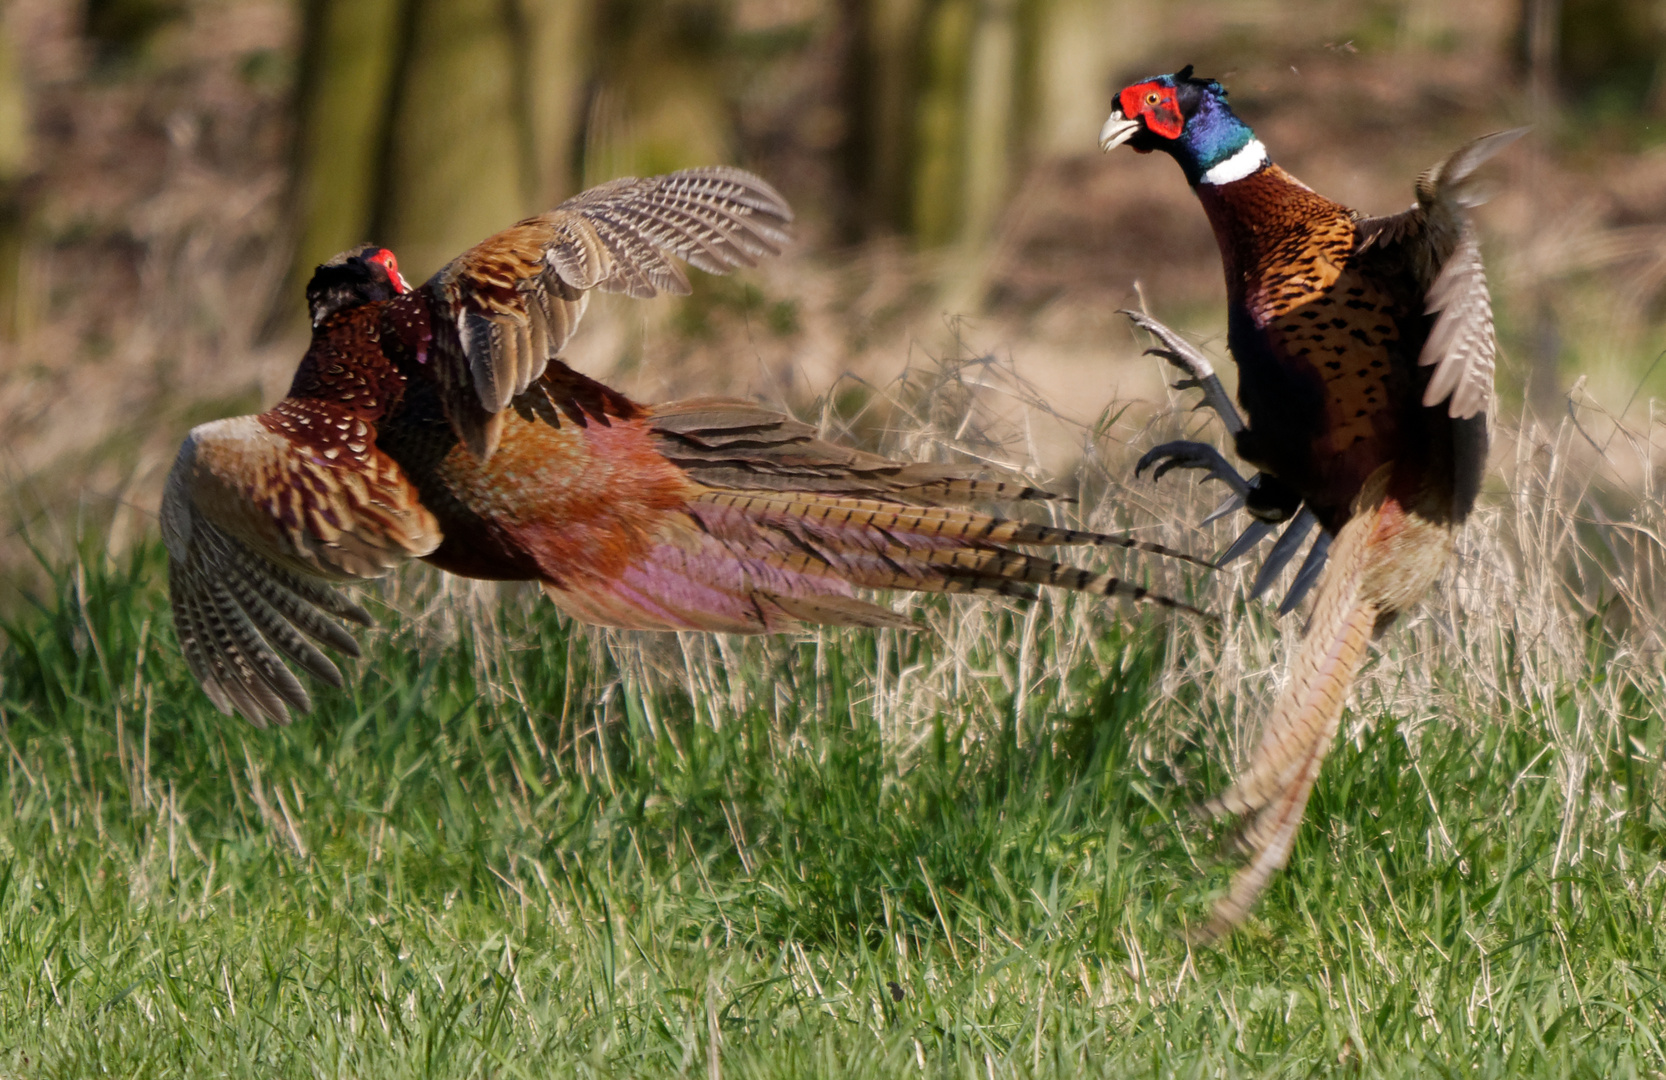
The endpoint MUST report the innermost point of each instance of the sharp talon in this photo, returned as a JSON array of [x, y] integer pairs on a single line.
[[1233, 503], [1256, 532], [1288, 544], [1169, 466]]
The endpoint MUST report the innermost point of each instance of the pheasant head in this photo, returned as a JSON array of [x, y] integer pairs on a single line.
[[1188, 119], [362, 276]]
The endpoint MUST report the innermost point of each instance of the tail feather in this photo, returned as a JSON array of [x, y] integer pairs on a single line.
[[693, 581], [762, 561], [995, 571], [1276, 785], [750, 455], [923, 525], [1269, 838]]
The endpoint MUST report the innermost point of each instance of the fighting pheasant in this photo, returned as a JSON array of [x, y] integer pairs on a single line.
[[437, 423], [1365, 355]]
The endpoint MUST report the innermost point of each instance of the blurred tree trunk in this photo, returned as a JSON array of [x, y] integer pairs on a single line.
[[658, 97], [557, 38], [937, 198], [1542, 22], [1086, 50], [943, 100], [349, 52], [426, 125], [15, 166], [457, 165], [882, 42]]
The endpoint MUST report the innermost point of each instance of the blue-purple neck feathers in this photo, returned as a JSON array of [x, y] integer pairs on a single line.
[[1216, 147]]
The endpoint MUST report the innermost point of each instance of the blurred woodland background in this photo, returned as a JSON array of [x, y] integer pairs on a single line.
[[170, 171]]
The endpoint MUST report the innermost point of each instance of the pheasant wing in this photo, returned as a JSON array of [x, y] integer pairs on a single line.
[[1462, 347], [260, 513], [1437, 242], [507, 306]]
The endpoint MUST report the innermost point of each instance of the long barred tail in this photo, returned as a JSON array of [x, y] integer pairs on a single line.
[[757, 457], [1276, 785], [940, 525], [761, 561]]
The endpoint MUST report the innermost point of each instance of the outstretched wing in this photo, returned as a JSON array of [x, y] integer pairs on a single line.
[[506, 307], [1462, 347], [1436, 241], [260, 513]]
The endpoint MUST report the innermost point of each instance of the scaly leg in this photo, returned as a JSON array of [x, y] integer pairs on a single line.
[[1187, 357], [1269, 500]]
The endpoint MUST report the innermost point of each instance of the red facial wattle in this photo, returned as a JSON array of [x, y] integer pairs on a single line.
[[1155, 104], [384, 258]]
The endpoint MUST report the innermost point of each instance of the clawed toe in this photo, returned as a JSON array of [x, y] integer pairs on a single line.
[[1288, 544], [1188, 358], [1184, 454]]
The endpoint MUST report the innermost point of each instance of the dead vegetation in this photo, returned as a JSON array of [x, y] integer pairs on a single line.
[[158, 239]]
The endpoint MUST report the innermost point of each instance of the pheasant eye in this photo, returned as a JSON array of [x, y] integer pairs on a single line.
[[1152, 98], [386, 260]]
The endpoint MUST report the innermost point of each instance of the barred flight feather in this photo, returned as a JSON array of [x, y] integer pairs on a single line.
[[618, 237], [254, 523]]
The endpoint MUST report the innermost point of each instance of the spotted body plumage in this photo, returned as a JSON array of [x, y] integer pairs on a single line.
[[1326, 347]]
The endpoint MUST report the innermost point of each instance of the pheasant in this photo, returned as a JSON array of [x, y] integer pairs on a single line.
[[437, 423], [1365, 355]]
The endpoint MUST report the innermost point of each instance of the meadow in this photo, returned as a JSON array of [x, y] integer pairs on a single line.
[[514, 846]]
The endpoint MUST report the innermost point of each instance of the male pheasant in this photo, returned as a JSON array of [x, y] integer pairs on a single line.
[[1365, 355], [437, 423]]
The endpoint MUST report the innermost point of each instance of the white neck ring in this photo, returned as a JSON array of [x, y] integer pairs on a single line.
[[1239, 165]]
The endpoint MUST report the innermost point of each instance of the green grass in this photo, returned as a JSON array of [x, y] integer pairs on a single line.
[[512, 847]]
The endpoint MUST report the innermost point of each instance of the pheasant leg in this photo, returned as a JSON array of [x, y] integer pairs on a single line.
[[1269, 500], [1188, 358]]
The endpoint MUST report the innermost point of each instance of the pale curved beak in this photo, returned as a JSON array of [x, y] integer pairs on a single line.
[[1118, 129]]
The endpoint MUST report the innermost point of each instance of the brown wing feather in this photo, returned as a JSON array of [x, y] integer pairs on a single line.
[[516, 298], [256, 522], [1462, 347], [562, 392], [1437, 243]]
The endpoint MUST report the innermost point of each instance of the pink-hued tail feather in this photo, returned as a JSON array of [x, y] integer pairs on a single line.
[[762, 561]]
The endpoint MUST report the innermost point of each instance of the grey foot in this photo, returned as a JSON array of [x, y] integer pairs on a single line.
[[1188, 358], [1185, 454]]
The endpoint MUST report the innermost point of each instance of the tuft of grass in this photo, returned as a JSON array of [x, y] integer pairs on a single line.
[[512, 846]]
